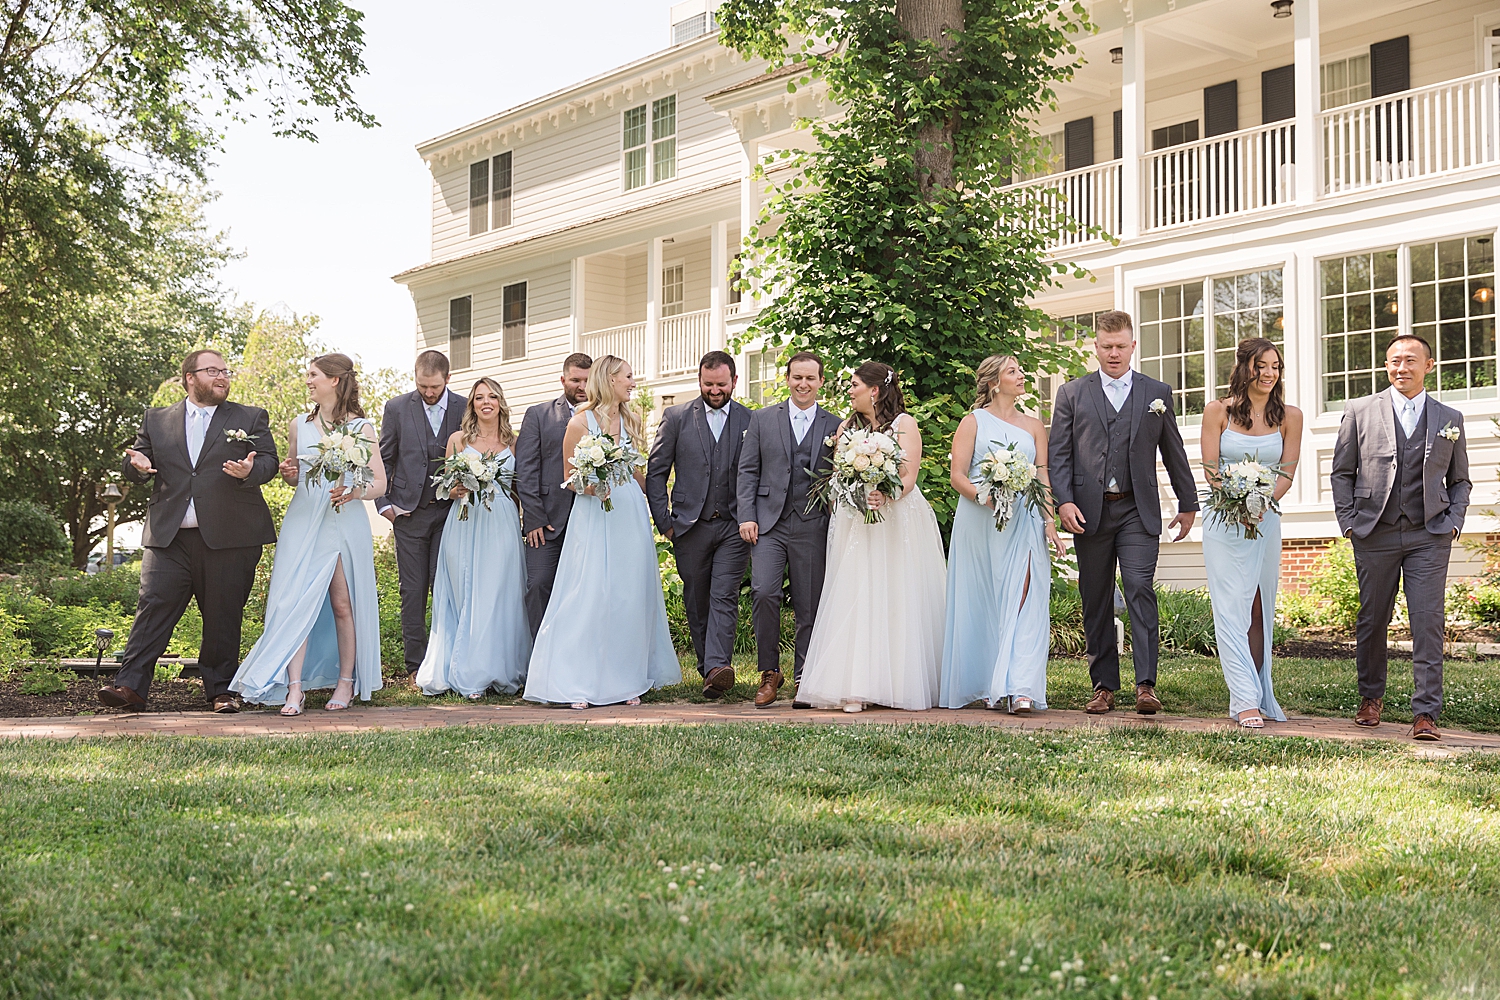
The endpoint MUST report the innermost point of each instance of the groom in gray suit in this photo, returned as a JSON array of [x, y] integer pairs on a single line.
[[1401, 486], [784, 449], [1107, 428], [701, 441]]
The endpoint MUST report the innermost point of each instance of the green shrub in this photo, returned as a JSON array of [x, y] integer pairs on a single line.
[[44, 678], [57, 630], [120, 587], [14, 649], [388, 588], [744, 626], [1068, 637], [1472, 603], [1336, 586], [29, 533], [1295, 611], [1187, 621]]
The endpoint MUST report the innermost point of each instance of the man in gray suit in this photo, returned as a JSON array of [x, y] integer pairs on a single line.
[[414, 435], [1400, 486], [1107, 428], [701, 441], [545, 505], [784, 449]]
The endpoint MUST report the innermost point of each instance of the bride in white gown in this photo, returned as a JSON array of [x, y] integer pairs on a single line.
[[879, 634]]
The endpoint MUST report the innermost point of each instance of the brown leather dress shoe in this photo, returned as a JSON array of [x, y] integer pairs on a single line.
[[1369, 712], [120, 697], [1425, 729], [1102, 701], [1146, 701], [770, 683], [717, 681], [227, 704]]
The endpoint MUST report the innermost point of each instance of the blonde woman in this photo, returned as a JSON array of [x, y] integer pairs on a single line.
[[999, 582], [480, 640], [604, 638]]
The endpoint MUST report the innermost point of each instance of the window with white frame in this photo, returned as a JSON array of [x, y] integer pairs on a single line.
[[637, 151], [671, 290], [649, 139], [513, 318], [460, 330], [1345, 81], [1453, 309], [1243, 306], [489, 194], [1051, 148], [760, 376], [664, 139], [500, 191], [1359, 300]]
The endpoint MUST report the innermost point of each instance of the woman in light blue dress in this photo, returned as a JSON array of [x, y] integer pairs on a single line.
[[604, 638], [480, 640], [322, 615], [999, 582], [1253, 423]]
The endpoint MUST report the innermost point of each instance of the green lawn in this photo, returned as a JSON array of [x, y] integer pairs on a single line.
[[805, 861], [1187, 684]]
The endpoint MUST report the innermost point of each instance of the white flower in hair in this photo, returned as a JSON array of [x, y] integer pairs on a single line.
[[1157, 407]]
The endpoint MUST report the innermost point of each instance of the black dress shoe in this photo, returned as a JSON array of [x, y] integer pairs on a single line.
[[116, 696]]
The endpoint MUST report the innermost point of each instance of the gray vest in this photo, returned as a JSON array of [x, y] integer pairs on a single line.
[[1406, 491], [1117, 462], [437, 447], [720, 501], [802, 458]]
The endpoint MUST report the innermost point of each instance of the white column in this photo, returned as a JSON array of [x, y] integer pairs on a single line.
[[718, 293], [579, 270], [1307, 73], [653, 308], [1133, 129]]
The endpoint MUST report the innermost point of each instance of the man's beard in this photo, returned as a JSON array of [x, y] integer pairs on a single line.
[[708, 400], [208, 396]]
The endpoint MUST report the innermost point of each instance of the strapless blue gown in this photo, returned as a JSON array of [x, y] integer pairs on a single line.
[[604, 638], [480, 639], [314, 539], [1237, 568], [995, 646]]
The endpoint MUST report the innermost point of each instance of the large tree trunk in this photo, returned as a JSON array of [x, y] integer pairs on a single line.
[[935, 21]]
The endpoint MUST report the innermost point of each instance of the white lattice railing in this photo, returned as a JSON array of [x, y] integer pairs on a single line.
[[1417, 133], [1080, 202], [684, 340], [628, 342], [1225, 175]]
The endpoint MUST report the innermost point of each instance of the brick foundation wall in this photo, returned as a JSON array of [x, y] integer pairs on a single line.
[[1298, 557]]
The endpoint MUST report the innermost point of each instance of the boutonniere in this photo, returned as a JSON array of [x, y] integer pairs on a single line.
[[236, 434], [1451, 432], [1157, 407]]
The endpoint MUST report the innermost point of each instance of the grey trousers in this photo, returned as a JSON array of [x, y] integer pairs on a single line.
[[711, 559], [1120, 540], [418, 536], [797, 550], [541, 573], [1416, 558]]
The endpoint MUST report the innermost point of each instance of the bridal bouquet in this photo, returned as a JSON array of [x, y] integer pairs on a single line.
[[342, 456], [483, 476], [1007, 481], [603, 463], [863, 461], [1243, 494]]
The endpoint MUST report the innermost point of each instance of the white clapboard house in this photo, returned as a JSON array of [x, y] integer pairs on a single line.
[[1321, 172]]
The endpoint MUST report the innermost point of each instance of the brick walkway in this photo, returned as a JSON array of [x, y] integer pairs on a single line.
[[433, 716]]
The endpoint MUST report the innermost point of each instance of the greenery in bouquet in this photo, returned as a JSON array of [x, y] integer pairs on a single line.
[[602, 462], [343, 455], [1008, 481], [1240, 493], [864, 462], [483, 477]]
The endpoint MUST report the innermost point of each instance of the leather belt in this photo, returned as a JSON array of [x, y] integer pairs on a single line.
[[1111, 497]]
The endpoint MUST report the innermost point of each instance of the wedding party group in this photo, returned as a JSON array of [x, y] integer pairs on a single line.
[[537, 551]]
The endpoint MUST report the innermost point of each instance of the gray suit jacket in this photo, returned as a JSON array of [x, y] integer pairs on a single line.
[[766, 460], [684, 441], [404, 435], [539, 467], [1079, 446], [1364, 466]]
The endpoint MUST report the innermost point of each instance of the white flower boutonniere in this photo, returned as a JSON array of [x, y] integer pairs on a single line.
[[236, 435], [1450, 432], [1157, 407]]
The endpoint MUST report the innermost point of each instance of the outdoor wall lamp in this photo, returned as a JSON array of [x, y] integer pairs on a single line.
[[1484, 294], [1117, 55], [1281, 8]]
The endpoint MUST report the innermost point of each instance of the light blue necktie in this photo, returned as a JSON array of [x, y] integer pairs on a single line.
[[716, 419], [435, 417]]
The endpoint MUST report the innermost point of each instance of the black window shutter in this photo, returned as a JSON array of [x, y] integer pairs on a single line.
[[1278, 95], [1119, 127], [1078, 144], [1221, 108], [1390, 66]]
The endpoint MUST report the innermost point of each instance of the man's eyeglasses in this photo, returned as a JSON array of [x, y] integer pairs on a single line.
[[213, 372]]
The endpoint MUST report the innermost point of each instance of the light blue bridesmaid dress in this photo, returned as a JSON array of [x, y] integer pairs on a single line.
[[314, 539], [480, 639], [995, 646], [1237, 568], [604, 638]]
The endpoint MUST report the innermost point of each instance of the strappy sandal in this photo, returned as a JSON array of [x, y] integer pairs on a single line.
[[579, 706], [1252, 722], [288, 709], [632, 702], [339, 706], [1021, 705]]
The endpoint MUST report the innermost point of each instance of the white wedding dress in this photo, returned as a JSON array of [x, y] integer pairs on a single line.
[[878, 639]]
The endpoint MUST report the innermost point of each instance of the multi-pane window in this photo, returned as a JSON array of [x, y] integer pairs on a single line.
[[636, 150], [489, 194], [1174, 135], [734, 281], [1076, 327], [1345, 81], [760, 375], [664, 139], [650, 142], [1243, 306], [500, 192], [1170, 331], [671, 290], [1453, 309], [1051, 149], [460, 330], [1361, 316], [513, 332]]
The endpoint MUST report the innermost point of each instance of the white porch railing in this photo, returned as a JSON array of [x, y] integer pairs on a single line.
[[684, 340], [1230, 174], [628, 342], [1417, 133], [1088, 196]]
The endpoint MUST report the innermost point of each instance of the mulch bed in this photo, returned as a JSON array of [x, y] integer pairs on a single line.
[[81, 698]]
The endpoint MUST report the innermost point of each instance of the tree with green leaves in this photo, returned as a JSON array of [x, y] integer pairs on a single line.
[[898, 238]]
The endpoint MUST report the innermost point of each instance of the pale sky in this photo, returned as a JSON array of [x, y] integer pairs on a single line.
[[324, 226]]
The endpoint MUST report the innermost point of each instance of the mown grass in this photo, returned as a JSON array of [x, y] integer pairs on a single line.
[[805, 861]]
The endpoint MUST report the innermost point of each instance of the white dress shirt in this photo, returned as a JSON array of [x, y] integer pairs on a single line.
[[717, 418], [1408, 411], [1117, 390], [801, 419], [197, 419]]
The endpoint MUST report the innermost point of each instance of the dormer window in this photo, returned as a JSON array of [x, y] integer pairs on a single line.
[[489, 194]]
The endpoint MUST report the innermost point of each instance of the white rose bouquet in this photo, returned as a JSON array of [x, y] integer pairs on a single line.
[[863, 461], [1007, 481], [483, 476], [1242, 492], [342, 456], [603, 463]]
